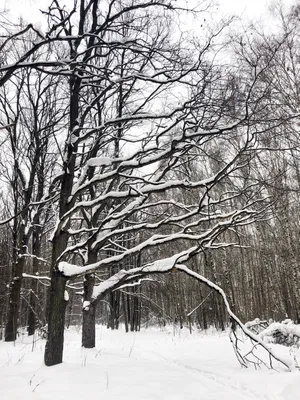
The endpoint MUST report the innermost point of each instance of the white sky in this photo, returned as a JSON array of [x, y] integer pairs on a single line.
[[246, 8], [249, 8]]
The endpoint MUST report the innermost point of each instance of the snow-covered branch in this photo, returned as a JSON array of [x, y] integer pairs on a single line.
[[204, 239], [27, 255], [175, 263], [38, 277]]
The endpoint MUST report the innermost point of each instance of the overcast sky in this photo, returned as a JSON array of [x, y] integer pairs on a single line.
[[251, 8], [246, 8]]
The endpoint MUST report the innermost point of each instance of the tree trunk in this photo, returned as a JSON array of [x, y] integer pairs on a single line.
[[32, 309], [36, 251], [56, 319], [125, 312], [88, 315], [13, 311], [88, 339], [57, 304], [14, 302]]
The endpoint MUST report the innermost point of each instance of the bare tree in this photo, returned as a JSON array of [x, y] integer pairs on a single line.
[[145, 110], [159, 133], [31, 118]]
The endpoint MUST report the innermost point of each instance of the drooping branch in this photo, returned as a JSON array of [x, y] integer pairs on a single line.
[[174, 263], [258, 340]]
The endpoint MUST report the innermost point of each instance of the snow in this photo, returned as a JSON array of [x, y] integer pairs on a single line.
[[69, 269], [86, 305], [163, 265], [92, 162], [238, 216], [98, 161], [153, 364], [249, 324], [287, 328], [66, 296]]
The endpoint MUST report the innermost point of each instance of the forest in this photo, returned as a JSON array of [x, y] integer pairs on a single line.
[[149, 164]]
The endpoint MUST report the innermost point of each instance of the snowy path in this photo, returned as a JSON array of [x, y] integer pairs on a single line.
[[149, 365]]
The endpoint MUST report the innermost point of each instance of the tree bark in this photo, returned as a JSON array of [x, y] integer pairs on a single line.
[[14, 303], [32, 309], [14, 300], [88, 315], [36, 250], [57, 303], [125, 312], [56, 320]]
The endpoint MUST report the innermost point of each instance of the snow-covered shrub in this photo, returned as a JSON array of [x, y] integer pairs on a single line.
[[286, 333]]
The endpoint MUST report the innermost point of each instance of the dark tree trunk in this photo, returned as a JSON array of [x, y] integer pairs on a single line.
[[128, 309], [125, 312], [13, 310], [36, 250], [88, 315], [136, 312], [113, 322], [88, 339], [111, 319], [32, 309], [56, 320], [57, 303], [117, 309], [14, 302]]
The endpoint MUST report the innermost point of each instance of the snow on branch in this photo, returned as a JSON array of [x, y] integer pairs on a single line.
[[126, 276], [137, 283], [151, 188], [38, 277], [286, 333], [206, 239], [175, 263], [44, 280], [33, 256], [48, 279], [199, 305]]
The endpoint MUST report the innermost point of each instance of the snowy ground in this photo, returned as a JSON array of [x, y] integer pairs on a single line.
[[149, 365]]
